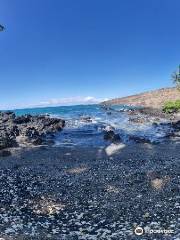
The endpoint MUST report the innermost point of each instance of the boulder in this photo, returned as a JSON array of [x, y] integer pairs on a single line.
[[86, 119], [112, 136], [109, 113], [6, 116], [176, 125], [108, 135], [27, 129], [22, 119], [6, 140], [116, 138]]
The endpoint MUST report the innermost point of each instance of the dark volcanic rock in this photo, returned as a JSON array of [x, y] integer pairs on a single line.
[[138, 139], [31, 132], [14, 130], [37, 141], [30, 129], [22, 119], [173, 126], [86, 119], [6, 140], [5, 153], [108, 135], [6, 116], [112, 136], [176, 125], [140, 120], [116, 138]]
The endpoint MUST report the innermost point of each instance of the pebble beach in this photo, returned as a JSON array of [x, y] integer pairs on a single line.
[[74, 186], [90, 193]]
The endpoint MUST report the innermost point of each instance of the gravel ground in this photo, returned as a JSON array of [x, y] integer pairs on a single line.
[[90, 193]]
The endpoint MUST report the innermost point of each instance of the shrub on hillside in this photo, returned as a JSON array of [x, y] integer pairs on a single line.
[[176, 78], [172, 106]]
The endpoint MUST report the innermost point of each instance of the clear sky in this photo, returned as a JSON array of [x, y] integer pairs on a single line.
[[71, 51]]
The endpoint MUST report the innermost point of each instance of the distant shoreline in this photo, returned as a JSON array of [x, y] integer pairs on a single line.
[[43, 107], [151, 99]]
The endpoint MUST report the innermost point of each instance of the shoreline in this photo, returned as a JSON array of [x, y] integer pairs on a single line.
[[84, 193], [29, 131], [155, 98]]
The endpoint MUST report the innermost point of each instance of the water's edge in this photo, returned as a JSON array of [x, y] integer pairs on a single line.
[[85, 124]]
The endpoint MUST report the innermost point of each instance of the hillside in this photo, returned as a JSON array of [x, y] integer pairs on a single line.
[[155, 99]]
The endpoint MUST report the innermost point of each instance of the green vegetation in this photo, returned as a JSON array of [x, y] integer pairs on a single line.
[[176, 78], [172, 106]]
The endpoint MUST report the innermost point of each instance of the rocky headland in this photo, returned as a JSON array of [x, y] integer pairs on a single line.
[[144, 108], [148, 100]]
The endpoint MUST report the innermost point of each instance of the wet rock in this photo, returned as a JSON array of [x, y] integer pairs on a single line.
[[22, 119], [112, 136], [48, 121], [109, 128], [116, 138], [5, 153], [27, 129], [109, 113], [31, 132], [37, 141], [6, 140], [174, 128], [152, 112], [86, 119], [176, 125], [6, 116], [46, 125], [14, 130], [108, 135], [155, 124], [138, 120], [138, 139]]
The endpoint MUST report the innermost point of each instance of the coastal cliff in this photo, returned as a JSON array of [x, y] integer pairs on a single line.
[[151, 99]]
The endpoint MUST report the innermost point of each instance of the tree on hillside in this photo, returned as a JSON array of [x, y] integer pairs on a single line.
[[176, 78]]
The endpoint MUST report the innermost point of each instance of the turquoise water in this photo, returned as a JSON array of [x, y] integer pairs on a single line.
[[63, 111], [78, 131]]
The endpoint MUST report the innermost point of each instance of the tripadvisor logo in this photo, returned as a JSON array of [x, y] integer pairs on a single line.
[[139, 231]]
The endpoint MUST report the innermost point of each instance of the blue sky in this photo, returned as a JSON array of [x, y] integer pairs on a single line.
[[66, 51]]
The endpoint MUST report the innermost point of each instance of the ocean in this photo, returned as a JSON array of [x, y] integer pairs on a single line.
[[80, 131]]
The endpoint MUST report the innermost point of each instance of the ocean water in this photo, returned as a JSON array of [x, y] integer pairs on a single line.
[[81, 132]]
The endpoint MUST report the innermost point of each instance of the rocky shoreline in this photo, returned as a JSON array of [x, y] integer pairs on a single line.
[[85, 193], [141, 116], [26, 130], [156, 98]]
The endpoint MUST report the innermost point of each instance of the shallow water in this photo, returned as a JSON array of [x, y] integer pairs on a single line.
[[81, 132]]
